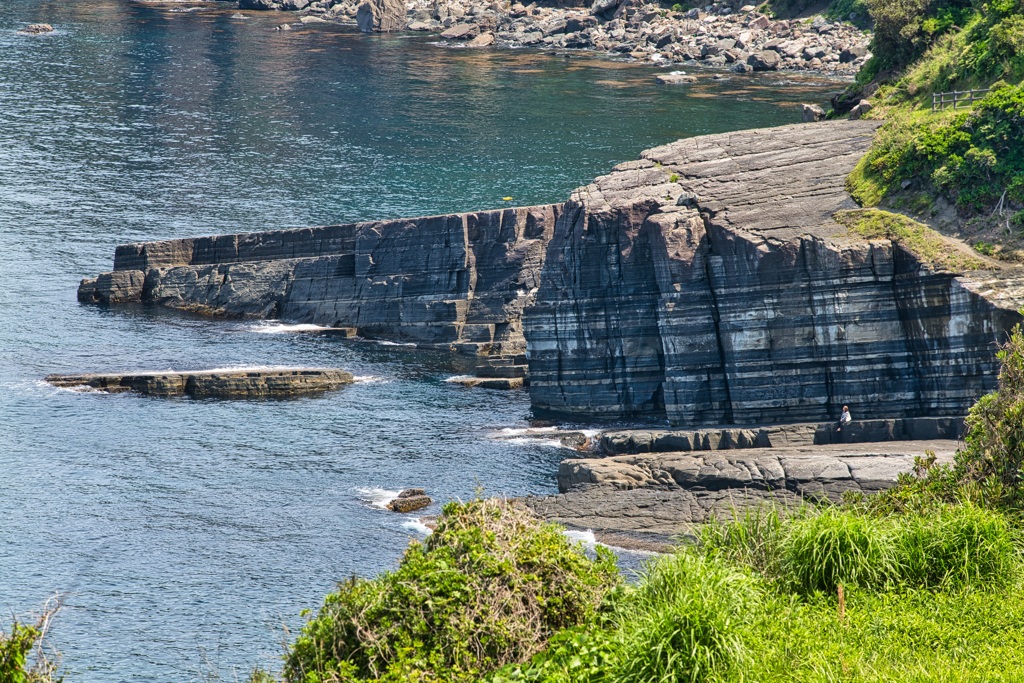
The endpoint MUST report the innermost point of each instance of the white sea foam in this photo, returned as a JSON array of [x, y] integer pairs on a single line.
[[370, 379], [586, 537], [376, 497], [523, 441], [414, 524], [589, 541], [391, 343], [538, 436], [271, 327], [524, 431], [458, 378]]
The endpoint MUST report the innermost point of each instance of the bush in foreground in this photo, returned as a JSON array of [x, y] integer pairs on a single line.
[[489, 587], [22, 658]]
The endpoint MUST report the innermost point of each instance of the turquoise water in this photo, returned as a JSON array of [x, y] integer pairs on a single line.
[[185, 534]]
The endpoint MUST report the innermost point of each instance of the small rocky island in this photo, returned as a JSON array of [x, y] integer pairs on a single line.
[[271, 383]]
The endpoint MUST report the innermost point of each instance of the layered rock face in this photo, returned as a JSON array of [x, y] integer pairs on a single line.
[[272, 383], [708, 283], [458, 281]]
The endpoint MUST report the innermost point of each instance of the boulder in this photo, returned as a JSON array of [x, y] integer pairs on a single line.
[[410, 500], [482, 40], [384, 16], [863, 107], [461, 32], [766, 60], [852, 54], [294, 5], [810, 113]]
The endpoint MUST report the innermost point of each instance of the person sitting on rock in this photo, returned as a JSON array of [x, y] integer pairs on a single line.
[[844, 418]]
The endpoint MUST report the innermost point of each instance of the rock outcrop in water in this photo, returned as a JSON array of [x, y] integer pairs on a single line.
[[270, 383], [454, 282], [706, 283]]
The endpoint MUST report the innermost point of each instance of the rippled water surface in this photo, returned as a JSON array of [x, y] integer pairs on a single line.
[[185, 534]]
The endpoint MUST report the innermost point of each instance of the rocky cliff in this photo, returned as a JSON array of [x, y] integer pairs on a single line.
[[708, 283], [458, 281]]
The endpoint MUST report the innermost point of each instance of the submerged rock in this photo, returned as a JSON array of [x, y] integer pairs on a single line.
[[410, 500], [275, 383], [36, 29], [675, 78]]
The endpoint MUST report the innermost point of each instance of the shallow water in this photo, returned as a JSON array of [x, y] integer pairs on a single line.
[[185, 534]]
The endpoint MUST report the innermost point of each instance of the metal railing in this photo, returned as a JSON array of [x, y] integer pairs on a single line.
[[941, 100]]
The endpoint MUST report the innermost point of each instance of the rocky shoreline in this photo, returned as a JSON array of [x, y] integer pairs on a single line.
[[723, 34], [643, 489]]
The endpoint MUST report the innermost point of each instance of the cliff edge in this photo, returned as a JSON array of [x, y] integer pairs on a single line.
[[709, 283]]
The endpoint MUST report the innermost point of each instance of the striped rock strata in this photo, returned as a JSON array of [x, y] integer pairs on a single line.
[[707, 283], [704, 284], [455, 282]]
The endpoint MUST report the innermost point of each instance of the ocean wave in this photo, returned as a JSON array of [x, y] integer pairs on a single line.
[[458, 378], [370, 379], [589, 541], [272, 327], [376, 497], [416, 525], [524, 441], [383, 342]]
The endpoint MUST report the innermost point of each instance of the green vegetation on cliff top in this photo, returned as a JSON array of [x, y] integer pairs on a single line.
[[928, 246], [970, 157]]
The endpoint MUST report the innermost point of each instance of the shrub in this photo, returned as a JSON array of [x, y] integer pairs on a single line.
[[22, 659], [753, 539], [487, 588], [974, 157], [836, 547], [685, 621], [955, 546]]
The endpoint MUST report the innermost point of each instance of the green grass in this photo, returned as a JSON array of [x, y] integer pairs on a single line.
[[928, 596], [928, 246]]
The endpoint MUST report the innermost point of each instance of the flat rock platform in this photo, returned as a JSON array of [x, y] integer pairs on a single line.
[[269, 383]]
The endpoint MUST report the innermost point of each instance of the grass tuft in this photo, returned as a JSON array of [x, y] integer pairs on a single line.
[[928, 246]]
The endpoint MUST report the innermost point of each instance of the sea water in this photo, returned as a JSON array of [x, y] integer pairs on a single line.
[[185, 535]]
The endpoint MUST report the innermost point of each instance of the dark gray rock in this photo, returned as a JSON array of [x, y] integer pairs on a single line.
[[852, 54], [752, 306], [449, 282], [257, 4], [410, 500], [658, 497], [274, 383]]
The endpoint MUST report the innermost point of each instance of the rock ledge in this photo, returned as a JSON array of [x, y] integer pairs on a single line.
[[272, 383]]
